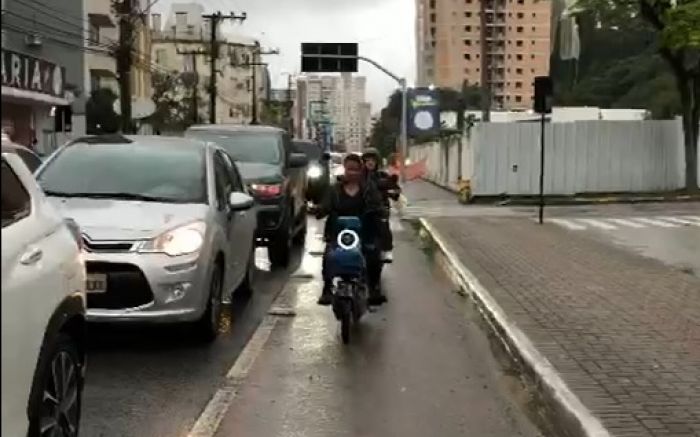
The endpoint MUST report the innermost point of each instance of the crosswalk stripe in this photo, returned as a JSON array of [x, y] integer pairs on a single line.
[[656, 222], [567, 224], [628, 223], [598, 224], [680, 220]]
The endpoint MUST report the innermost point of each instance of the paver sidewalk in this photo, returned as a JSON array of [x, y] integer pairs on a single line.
[[623, 331]]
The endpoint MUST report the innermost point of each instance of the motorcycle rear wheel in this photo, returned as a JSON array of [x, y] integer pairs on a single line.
[[345, 321]]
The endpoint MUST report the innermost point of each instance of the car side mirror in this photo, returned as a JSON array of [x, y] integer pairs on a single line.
[[298, 160], [240, 201]]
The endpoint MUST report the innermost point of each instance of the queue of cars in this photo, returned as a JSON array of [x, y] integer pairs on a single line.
[[131, 229]]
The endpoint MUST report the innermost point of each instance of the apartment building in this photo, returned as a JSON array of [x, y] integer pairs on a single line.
[[185, 30], [339, 101], [102, 38], [509, 40]]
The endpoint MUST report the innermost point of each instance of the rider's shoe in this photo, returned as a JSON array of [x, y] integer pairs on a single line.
[[387, 257], [376, 298], [326, 297]]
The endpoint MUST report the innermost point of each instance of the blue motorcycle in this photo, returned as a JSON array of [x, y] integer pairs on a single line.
[[348, 268]]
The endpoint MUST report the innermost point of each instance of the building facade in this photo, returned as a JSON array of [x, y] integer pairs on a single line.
[[506, 42], [42, 69], [240, 83], [102, 38], [338, 103]]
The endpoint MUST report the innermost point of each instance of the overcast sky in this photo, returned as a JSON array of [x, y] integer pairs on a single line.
[[384, 30]]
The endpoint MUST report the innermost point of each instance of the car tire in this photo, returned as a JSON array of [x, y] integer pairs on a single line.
[[246, 287], [54, 401], [280, 249], [300, 237], [207, 327]]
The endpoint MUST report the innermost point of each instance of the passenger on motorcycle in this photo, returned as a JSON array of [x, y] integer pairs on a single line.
[[389, 188], [353, 195]]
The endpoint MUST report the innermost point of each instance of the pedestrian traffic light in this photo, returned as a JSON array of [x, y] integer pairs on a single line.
[[328, 57], [543, 95]]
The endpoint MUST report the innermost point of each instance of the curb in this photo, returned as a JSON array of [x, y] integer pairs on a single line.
[[575, 417]]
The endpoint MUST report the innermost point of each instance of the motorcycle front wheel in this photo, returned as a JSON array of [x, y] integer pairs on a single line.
[[345, 320]]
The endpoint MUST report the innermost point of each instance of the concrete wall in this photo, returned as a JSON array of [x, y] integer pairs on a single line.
[[581, 157]]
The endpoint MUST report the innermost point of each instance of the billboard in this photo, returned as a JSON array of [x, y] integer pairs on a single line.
[[423, 112]]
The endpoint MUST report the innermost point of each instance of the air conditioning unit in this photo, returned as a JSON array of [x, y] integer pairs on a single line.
[[33, 40]]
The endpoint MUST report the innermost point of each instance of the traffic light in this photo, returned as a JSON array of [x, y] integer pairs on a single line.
[[329, 57]]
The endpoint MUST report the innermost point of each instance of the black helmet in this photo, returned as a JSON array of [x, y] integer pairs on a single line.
[[370, 152]]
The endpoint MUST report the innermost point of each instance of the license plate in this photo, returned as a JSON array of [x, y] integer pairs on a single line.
[[96, 283]]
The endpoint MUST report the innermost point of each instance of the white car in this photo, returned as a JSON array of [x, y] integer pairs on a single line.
[[43, 310]]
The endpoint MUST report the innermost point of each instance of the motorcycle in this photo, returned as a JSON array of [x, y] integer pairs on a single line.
[[348, 267]]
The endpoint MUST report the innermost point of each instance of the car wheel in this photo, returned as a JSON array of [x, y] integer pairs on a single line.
[[280, 249], [60, 381], [246, 287], [208, 325]]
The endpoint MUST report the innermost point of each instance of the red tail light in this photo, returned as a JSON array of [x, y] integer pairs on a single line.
[[267, 190]]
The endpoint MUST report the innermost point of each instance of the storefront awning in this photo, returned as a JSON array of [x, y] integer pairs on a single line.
[[15, 94]]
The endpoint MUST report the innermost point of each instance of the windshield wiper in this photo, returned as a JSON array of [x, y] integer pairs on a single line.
[[126, 196]]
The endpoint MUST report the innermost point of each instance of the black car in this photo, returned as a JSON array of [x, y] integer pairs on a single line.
[[276, 177], [318, 173]]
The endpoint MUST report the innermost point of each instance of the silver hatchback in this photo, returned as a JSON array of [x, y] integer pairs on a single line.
[[165, 223]]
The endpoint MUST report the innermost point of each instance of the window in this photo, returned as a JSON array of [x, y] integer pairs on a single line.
[[432, 4], [519, 29], [521, 2], [264, 148], [468, 14], [532, 56], [467, 28], [224, 183], [518, 84], [518, 71], [534, 15], [534, 28], [433, 18], [467, 56], [466, 71], [180, 19], [30, 160], [237, 182], [518, 99], [467, 42], [532, 42], [16, 203], [520, 15], [519, 57], [152, 169], [93, 34], [160, 56], [519, 43]]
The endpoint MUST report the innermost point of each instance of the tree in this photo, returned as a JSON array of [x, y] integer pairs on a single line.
[[175, 103], [100, 117], [676, 27]]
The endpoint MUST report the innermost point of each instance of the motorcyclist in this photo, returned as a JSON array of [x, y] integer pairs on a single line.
[[353, 195], [389, 188]]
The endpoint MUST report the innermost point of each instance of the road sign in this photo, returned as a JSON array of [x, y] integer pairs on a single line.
[[543, 95], [329, 57], [423, 112]]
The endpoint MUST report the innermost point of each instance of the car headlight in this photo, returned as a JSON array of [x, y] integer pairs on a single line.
[[314, 172], [182, 240]]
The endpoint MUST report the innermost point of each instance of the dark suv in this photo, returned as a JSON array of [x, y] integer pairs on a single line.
[[276, 177], [318, 173]]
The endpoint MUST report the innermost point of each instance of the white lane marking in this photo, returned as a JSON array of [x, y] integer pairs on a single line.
[[680, 220], [654, 222], [695, 218], [598, 224], [589, 423], [209, 421], [567, 224], [628, 223]]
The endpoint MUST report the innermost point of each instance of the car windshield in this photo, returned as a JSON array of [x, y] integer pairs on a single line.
[[128, 171], [311, 150], [245, 146]]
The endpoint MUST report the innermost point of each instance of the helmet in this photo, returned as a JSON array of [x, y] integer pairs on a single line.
[[370, 152]]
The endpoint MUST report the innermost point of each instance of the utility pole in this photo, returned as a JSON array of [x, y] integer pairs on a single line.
[[485, 64], [257, 52], [195, 80], [124, 54], [214, 20], [290, 106]]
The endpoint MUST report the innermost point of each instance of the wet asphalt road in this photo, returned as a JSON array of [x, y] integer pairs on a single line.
[[154, 382]]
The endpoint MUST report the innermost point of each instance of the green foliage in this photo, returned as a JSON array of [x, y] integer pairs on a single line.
[[100, 115], [174, 103], [682, 30]]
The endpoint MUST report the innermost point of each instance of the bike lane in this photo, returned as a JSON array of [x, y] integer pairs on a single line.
[[420, 365]]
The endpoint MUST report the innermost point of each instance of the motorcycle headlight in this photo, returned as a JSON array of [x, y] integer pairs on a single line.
[[348, 239], [314, 172], [182, 240]]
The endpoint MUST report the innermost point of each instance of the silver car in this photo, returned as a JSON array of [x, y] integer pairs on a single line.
[[165, 223]]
